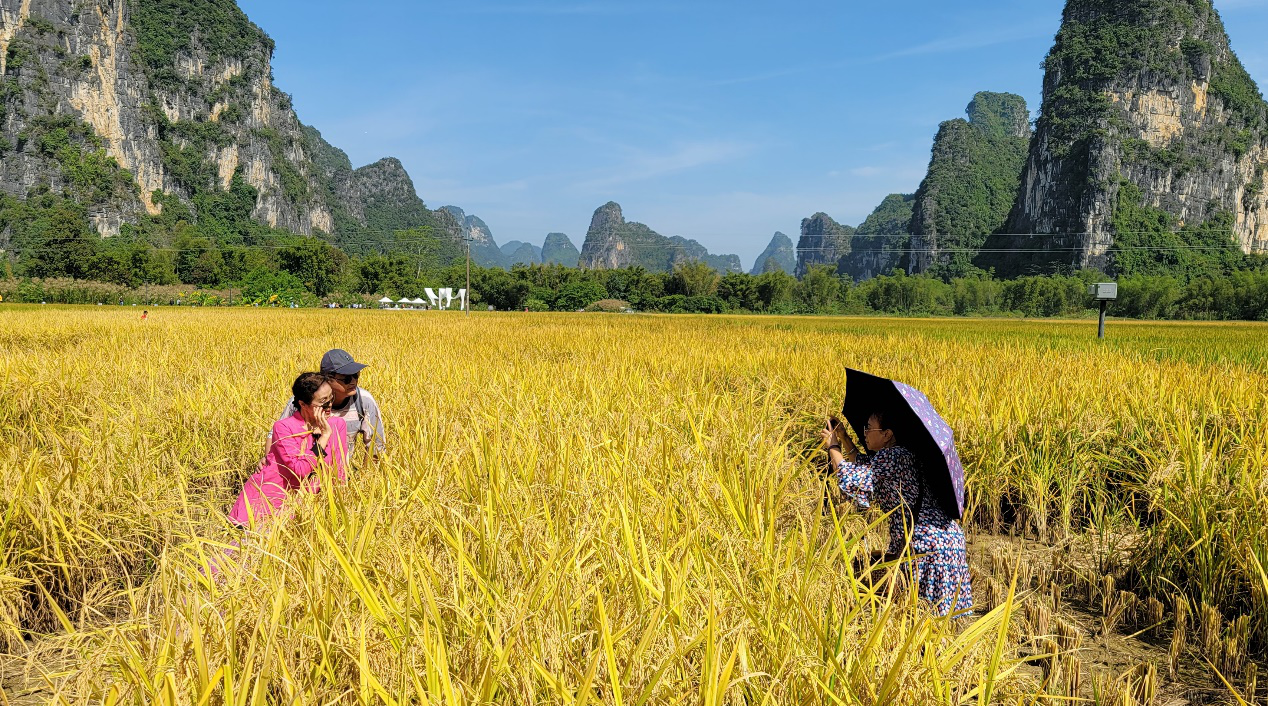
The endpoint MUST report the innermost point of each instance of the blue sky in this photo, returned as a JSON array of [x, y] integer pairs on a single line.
[[719, 121]]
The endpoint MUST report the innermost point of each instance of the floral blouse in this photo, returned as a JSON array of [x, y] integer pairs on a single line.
[[892, 480]]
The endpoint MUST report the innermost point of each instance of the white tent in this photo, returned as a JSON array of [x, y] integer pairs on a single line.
[[419, 302], [405, 302], [386, 301]]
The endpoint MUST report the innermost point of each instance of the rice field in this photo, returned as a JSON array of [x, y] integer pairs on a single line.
[[619, 509]]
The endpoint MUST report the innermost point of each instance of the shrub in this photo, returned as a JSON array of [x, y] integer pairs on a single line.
[[611, 306]]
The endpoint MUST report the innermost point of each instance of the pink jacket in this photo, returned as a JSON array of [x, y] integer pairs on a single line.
[[287, 468]]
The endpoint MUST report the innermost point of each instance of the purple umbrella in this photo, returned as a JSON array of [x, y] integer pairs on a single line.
[[918, 427]]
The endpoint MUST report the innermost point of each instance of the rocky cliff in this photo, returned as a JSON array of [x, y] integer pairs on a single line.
[[972, 180], [779, 255], [823, 242], [559, 250], [131, 107], [881, 242], [1151, 135], [484, 250], [613, 242], [174, 106]]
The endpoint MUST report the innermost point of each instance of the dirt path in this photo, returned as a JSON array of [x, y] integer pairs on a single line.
[[1115, 642]]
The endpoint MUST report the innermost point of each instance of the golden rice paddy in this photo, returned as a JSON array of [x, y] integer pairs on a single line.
[[613, 509]]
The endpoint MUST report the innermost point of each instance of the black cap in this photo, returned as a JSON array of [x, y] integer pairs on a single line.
[[339, 362]]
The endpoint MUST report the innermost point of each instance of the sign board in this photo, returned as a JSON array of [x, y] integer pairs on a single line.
[[1102, 291]]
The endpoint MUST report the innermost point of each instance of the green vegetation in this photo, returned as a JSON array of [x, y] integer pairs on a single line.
[[327, 158], [1231, 84], [644, 247], [294, 185], [92, 176], [654, 251], [166, 29], [973, 178], [51, 235], [891, 217], [823, 241], [1102, 43], [41, 25], [1147, 242], [999, 114], [19, 53], [881, 240], [185, 145], [55, 240], [558, 249]]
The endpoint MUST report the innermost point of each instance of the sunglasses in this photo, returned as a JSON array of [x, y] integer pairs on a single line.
[[327, 406], [346, 379]]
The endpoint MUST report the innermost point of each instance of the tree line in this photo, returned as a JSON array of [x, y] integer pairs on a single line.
[[54, 255]]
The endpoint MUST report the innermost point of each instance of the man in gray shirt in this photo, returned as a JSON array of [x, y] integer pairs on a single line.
[[353, 404]]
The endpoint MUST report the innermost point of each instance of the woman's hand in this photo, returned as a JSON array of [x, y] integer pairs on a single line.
[[321, 426], [828, 436], [840, 446]]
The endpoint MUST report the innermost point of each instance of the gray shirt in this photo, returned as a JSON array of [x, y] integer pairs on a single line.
[[361, 413]]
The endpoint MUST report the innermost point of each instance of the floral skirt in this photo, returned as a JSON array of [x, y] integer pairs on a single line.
[[943, 578]]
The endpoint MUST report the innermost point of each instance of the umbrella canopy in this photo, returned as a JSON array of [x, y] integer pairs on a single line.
[[916, 426], [386, 300], [404, 300], [419, 301]]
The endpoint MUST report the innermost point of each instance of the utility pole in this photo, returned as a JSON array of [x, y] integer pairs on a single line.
[[467, 299]]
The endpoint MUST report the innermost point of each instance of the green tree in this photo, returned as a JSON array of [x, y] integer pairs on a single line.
[[775, 291], [817, 292], [739, 291], [498, 288], [55, 239], [269, 287], [198, 261], [384, 274], [316, 263], [695, 279], [579, 295]]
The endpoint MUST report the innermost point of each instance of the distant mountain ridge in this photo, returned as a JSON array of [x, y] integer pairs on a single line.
[[517, 252], [881, 242], [559, 250], [823, 242], [613, 242], [484, 249], [779, 255], [148, 117]]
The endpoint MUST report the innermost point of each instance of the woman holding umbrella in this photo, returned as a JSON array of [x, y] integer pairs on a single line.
[[893, 478]]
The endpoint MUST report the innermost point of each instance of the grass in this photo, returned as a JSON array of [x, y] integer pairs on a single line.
[[585, 508]]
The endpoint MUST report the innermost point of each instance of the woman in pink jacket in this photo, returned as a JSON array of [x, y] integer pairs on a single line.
[[302, 443]]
